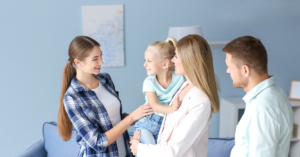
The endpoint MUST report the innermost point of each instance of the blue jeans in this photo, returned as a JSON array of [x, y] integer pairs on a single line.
[[149, 127]]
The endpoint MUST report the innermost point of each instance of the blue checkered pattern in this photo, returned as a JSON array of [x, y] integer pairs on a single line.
[[90, 118]]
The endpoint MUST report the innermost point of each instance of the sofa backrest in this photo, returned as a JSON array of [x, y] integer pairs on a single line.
[[217, 147], [220, 147], [55, 146]]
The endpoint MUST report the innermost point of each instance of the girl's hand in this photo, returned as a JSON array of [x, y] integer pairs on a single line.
[[141, 112], [176, 104]]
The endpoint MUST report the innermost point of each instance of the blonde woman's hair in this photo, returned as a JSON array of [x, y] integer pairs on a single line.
[[165, 49], [196, 58]]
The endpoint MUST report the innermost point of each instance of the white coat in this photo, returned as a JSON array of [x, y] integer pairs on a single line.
[[186, 134]]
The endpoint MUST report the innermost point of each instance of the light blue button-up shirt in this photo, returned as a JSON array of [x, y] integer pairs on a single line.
[[266, 126]]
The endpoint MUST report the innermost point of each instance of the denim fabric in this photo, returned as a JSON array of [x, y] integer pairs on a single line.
[[149, 127]]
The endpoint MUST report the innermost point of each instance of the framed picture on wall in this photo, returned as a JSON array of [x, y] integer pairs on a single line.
[[295, 90], [105, 24]]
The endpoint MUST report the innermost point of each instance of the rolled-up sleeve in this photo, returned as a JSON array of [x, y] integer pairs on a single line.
[[91, 134]]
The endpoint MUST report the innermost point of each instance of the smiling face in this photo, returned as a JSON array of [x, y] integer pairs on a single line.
[[152, 63], [92, 63], [177, 64], [236, 72]]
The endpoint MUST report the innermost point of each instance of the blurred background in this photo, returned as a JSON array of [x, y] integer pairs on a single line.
[[35, 35]]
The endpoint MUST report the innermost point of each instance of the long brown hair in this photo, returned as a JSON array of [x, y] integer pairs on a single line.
[[196, 58], [79, 48]]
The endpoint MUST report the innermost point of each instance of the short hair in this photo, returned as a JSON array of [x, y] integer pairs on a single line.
[[249, 51]]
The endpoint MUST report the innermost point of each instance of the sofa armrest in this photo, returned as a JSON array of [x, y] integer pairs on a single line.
[[36, 150], [220, 147]]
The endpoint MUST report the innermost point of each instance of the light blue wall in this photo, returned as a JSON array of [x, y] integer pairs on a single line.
[[34, 39]]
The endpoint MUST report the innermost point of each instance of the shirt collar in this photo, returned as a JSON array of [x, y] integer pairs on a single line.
[[258, 89], [78, 87]]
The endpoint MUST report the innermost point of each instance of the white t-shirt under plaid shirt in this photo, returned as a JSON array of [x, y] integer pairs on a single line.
[[91, 120], [112, 106]]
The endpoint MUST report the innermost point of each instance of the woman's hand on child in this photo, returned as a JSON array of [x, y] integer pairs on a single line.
[[126, 114], [134, 141], [176, 104], [142, 111]]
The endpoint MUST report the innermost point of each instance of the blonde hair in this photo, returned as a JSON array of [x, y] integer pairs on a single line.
[[196, 58], [165, 50], [79, 48]]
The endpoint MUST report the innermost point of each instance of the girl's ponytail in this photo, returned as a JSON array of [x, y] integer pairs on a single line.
[[172, 41]]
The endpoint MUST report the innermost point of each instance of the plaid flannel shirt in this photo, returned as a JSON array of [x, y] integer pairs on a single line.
[[90, 119]]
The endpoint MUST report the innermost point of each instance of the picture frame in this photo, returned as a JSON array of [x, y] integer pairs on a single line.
[[295, 90]]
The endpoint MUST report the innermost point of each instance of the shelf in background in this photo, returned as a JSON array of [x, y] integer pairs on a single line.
[[230, 114], [217, 43], [295, 139], [295, 103]]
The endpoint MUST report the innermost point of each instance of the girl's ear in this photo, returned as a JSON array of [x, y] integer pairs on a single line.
[[166, 64]]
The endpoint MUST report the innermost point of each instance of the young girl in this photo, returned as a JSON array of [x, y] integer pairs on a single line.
[[159, 87], [184, 133]]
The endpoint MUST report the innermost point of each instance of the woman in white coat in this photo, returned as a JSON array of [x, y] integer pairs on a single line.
[[184, 133]]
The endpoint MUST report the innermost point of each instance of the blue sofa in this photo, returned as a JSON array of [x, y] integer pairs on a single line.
[[53, 146]]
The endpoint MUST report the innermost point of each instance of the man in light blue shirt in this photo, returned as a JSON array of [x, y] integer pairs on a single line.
[[266, 126]]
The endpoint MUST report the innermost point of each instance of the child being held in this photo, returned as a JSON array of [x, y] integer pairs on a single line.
[[159, 88]]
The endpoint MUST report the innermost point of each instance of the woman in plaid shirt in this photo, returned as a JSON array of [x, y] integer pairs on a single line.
[[89, 102]]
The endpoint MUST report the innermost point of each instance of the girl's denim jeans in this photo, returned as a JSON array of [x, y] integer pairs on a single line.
[[149, 127]]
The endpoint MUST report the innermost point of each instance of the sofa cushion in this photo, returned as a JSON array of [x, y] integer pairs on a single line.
[[220, 147], [55, 146], [36, 150], [217, 147]]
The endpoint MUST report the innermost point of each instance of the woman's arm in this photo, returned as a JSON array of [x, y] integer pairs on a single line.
[[91, 134], [187, 132], [125, 115], [157, 107], [114, 133]]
